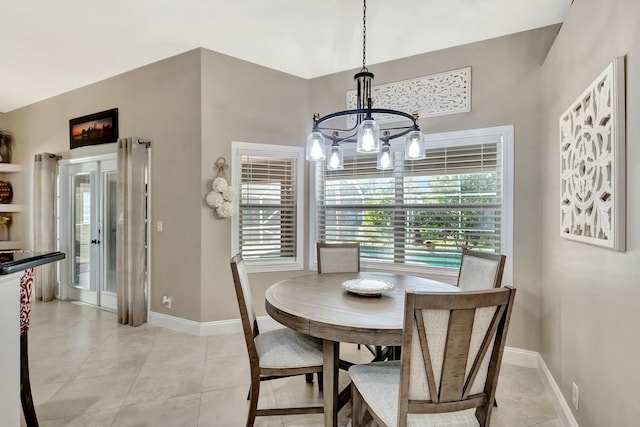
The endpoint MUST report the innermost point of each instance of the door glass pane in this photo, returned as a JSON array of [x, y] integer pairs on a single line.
[[82, 229], [109, 234]]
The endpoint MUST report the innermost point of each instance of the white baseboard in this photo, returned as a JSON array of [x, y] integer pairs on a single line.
[[520, 357], [265, 323], [533, 359], [559, 402], [511, 356]]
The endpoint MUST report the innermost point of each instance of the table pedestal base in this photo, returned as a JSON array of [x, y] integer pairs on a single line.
[[331, 354]]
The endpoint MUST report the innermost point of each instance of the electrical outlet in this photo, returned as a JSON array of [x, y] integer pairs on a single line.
[[159, 226], [166, 301], [574, 395]]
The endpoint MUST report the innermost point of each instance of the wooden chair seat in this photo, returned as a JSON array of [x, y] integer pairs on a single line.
[[370, 379], [286, 348]]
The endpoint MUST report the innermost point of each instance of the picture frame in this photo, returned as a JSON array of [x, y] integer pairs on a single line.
[[592, 163], [93, 129]]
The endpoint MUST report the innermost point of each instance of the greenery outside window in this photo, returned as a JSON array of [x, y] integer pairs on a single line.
[[422, 213], [267, 230]]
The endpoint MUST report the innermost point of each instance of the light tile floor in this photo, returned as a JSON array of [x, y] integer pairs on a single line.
[[88, 371]]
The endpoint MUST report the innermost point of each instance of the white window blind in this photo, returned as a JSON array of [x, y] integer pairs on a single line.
[[422, 212], [268, 222]]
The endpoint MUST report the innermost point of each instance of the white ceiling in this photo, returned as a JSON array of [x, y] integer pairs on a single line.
[[50, 47]]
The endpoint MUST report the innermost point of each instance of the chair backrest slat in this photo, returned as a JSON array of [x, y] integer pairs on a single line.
[[480, 270], [453, 345], [245, 304], [486, 343], [426, 355], [338, 257], [456, 354]]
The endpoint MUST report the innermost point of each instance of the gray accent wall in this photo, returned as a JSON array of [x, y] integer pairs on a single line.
[[590, 312]]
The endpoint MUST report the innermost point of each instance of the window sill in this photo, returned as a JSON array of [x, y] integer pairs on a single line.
[[260, 266]]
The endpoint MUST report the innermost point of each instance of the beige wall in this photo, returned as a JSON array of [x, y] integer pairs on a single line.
[[505, 90], [241, 102], [191, 107], [591, 296], [161, 103]]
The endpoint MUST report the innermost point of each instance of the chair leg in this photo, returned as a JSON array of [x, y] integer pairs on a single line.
[[253, 403], [25, 385], [359, 346], [309, 379], [378, 352], [356, 407], [320, 381]]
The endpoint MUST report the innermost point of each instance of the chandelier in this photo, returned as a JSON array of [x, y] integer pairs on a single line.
[[368, 135]]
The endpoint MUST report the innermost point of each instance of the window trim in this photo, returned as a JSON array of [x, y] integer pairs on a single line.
[[268, 150], [439, 140]]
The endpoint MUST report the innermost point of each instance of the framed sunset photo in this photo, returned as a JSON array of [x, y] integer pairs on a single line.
[[97, 128]]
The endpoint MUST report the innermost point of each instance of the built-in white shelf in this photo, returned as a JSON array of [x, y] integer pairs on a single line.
[[10, 168], [11, 244], [10, 207]]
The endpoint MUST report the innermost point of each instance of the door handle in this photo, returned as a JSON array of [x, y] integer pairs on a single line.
[[95, 242]]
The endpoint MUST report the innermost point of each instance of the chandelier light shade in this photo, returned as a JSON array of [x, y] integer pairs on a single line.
[[384, 157], [366, 131], [368, 137], [336, 159], [316, 146], [415, 147]]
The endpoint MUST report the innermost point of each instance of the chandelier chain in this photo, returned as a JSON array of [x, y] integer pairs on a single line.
[[364, 36], [361, 126]]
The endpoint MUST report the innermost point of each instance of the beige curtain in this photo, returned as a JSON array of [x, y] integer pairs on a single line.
[[131, 255], [44, 223]]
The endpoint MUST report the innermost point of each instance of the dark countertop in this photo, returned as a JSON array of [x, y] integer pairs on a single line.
[[13, 261]]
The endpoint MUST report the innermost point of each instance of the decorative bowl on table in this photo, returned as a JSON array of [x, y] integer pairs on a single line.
[[368, 287]]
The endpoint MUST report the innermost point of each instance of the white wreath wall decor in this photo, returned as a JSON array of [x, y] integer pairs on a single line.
[[221, 194], [592, 168]]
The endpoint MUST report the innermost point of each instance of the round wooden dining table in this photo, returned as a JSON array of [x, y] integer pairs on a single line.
[[318, 305]]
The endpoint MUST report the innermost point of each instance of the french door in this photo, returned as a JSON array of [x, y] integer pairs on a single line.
[[88, 230]]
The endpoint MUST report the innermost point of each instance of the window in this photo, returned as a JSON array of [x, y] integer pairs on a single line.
[[267, 231], [422, 213]]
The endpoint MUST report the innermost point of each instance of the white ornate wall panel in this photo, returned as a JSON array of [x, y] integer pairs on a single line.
[[433, 95], [592, 168]]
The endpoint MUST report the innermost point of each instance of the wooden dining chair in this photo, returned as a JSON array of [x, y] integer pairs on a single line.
[[274, 354], [447, 376], [480, 270], [342, 258], [338, 257]]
